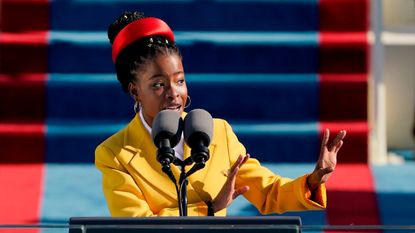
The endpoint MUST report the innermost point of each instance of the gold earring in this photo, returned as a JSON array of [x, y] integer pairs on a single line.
[[136, 107], [188, 102]]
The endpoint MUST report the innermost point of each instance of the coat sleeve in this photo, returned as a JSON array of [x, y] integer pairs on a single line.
[[271, 193], [124, 198]]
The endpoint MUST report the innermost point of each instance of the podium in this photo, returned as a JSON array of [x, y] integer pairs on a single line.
[[257, 224]]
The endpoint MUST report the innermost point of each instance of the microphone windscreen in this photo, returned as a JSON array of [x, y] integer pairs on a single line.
[[167, 125], [198, 127]]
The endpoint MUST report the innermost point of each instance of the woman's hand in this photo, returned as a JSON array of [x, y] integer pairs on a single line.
[[327, 160], [229, 192]]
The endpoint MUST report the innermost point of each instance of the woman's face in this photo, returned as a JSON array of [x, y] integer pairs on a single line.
[[159, 84]]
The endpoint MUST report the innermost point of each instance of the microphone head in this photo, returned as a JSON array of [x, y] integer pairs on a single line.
[[167, 125], [198, 128]]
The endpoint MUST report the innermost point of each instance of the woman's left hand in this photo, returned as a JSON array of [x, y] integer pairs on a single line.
[[327, 160], [229, 192]]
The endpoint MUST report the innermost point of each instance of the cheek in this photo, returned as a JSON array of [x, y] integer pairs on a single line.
[[150, 93], [183, 90], [150, 99]]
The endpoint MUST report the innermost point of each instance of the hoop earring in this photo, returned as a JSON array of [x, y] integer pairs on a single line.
[[136, 107], [188, 102]]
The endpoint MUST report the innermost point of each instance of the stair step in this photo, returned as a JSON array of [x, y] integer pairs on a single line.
[[301, 141], [24, 15], [22, 142], [343, 52], [324, 15], [297, 53], [344, 15], [275, 97], [22, 97], [24, 52], [356, 144], [230, 96], [75, 141], [282, 142], [200, 15], [242, 52], [87, 96], [343, 97]]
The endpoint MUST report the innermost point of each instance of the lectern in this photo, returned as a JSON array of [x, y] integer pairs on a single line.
[[257, 224]]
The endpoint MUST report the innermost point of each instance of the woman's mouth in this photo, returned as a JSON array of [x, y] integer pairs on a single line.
[[176, 107]]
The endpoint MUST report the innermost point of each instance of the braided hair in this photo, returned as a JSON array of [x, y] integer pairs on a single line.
[[132, 57]]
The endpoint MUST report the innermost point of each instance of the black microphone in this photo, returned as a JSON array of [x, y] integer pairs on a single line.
[[166, 133], [198, 130]]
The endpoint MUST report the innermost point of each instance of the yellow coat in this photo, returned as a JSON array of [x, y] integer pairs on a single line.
[[134, 184]]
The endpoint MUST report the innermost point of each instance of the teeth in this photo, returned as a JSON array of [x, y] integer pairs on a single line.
[[173, 107]]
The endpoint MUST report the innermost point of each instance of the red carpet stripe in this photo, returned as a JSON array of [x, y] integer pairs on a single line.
[[355, 147], [352, 197], [343, 52], [22, 97], [24, 15], [343, 68], [23, 52], [21, 193], [343, 97], [31, 37], [344, 15], [22, 143], [24, 28]]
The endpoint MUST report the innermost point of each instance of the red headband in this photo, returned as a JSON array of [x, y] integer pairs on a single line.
[[138, 29]]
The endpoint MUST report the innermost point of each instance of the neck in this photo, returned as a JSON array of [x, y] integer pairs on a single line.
[[148, 120]]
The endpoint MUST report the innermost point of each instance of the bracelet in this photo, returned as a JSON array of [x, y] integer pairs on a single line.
[[210, 212]]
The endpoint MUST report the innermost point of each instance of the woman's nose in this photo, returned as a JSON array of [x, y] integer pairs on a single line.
[[172, 92]]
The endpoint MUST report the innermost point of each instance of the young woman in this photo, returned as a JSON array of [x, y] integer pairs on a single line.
[[149, 67]]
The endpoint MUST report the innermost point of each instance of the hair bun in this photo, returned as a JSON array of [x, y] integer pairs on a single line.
[[123, 20]]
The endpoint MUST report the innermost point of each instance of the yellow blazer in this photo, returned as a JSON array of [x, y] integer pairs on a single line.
[[134, 184]]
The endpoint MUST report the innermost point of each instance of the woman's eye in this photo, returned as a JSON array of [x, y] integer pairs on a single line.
[[158, 85]]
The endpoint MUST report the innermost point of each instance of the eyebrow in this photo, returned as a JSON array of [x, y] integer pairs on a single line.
[[161, 75]]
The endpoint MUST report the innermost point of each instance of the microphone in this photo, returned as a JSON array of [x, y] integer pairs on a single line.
[[198, 130], [166, 133]]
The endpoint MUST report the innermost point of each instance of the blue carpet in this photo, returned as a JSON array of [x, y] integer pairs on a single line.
[[71, 190], [395, 188]]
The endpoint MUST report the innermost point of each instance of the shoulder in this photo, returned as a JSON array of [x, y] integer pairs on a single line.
[[219, 124], [222, 124], [115, 140], [221, 129], [132, 136], [111, 144]]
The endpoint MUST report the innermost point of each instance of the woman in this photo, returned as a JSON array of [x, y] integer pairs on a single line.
[[149, 67]]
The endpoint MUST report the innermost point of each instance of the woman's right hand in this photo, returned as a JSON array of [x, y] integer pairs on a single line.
[[229, 192]]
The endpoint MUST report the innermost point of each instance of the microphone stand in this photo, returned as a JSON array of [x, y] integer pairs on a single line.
[[183, 182], [165, 156]]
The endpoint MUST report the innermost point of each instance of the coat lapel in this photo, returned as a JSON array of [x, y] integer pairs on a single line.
[[139, 152], [199, 180]]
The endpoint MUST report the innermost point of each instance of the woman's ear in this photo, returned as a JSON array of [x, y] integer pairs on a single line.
[[132, 89]]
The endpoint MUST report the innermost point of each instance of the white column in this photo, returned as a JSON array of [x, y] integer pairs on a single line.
[[377, 92]]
